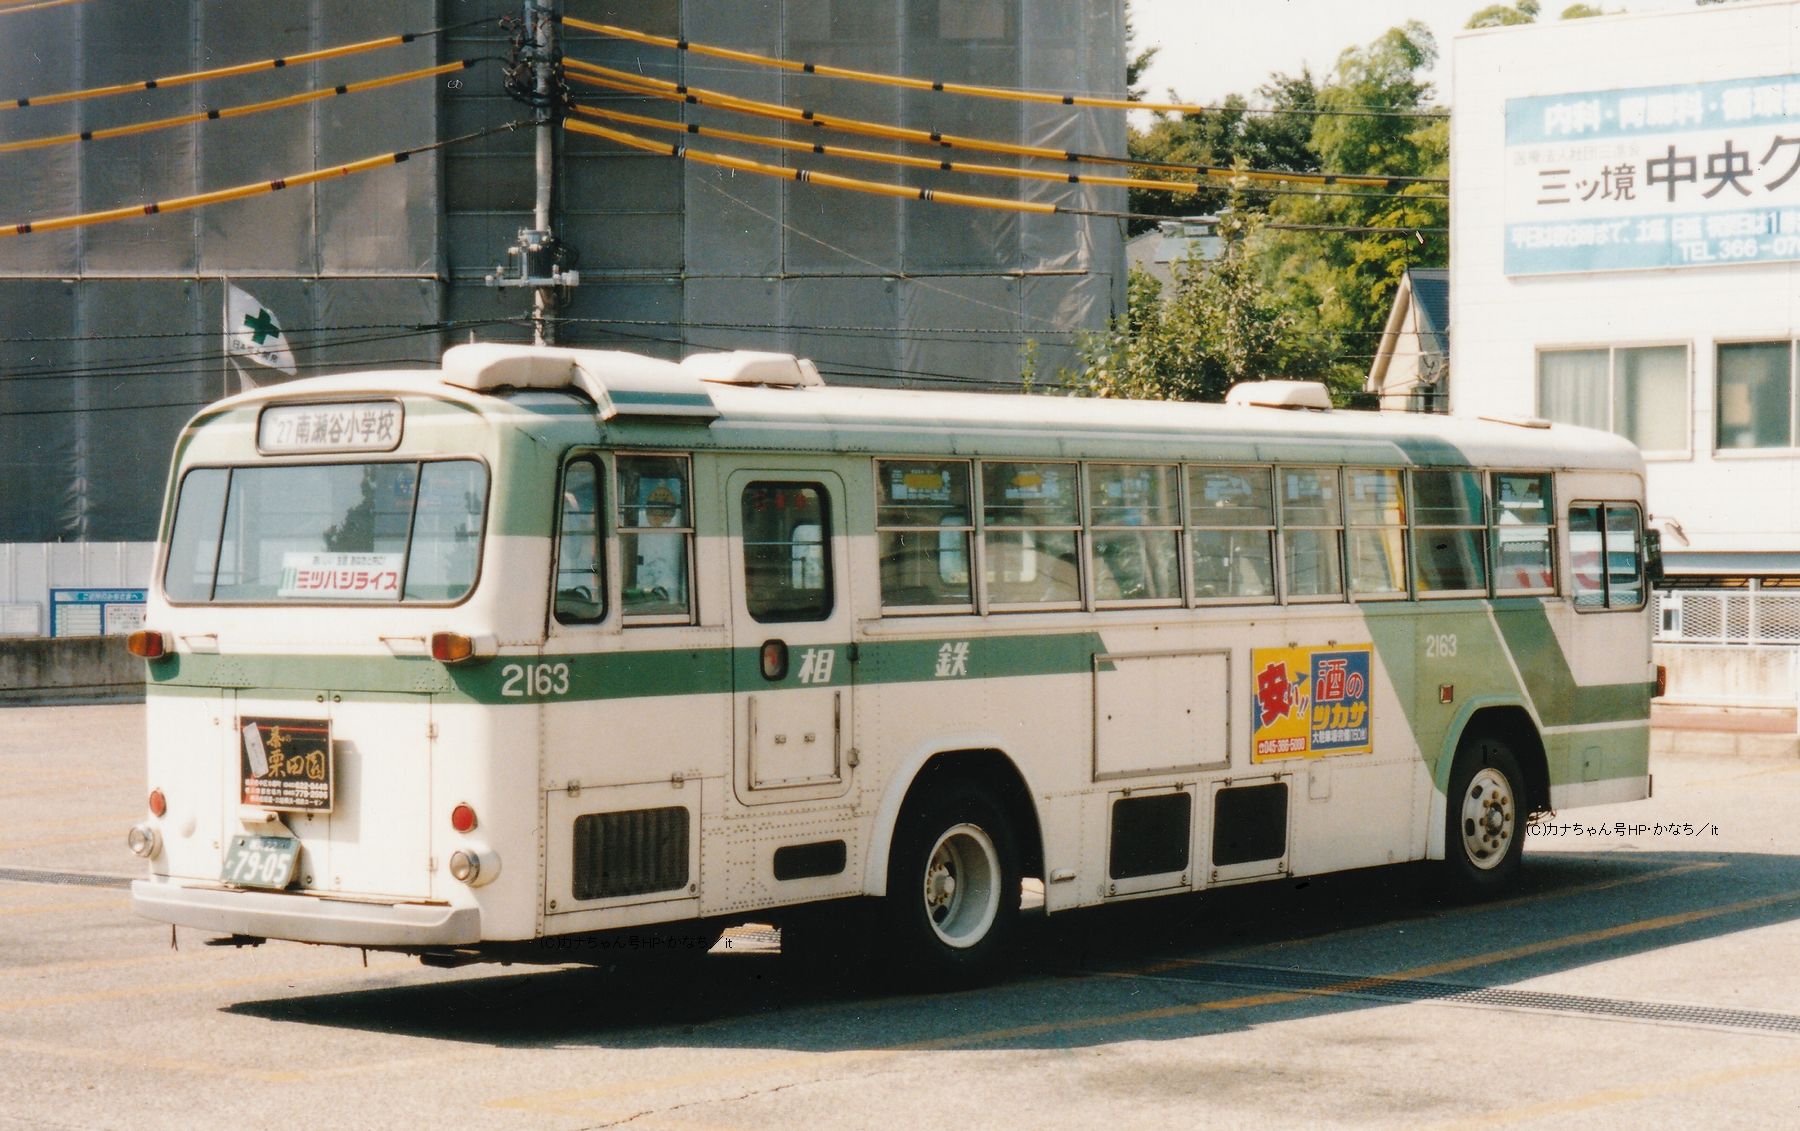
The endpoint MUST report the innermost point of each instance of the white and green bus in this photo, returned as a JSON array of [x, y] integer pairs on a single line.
[[549, 644]]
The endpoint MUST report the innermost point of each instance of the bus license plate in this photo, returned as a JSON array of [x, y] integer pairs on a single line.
[[261, 861]]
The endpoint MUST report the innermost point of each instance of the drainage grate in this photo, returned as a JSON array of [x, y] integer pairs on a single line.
[[81, 879], [1411, 990]]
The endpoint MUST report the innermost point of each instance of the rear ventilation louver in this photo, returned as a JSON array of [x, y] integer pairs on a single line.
[[631, 853]]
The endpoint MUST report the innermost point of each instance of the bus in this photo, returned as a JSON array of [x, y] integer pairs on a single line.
[[546, 645]]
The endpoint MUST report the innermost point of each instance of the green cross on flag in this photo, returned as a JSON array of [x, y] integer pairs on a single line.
[[252, 332]]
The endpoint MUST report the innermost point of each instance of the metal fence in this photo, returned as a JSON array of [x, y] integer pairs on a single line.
[[1728, 616]]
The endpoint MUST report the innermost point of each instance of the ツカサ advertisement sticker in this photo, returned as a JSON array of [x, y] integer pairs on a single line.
[[1309, 702]]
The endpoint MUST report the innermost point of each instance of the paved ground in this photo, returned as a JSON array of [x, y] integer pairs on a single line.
[[1650, 978]]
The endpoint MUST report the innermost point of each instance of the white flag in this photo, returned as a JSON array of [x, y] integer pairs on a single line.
[[251, 331]]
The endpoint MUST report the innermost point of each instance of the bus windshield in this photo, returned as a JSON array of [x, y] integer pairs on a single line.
[[364, 533]]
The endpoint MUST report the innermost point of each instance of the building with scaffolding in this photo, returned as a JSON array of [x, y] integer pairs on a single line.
[[113, 335]]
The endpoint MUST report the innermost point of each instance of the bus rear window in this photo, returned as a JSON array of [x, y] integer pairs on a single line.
[[349, 533]]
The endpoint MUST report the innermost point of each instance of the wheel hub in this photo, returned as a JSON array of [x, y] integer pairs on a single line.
[[1488, 818]]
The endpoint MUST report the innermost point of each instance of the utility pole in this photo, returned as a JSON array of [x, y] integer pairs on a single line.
[[537, 254]]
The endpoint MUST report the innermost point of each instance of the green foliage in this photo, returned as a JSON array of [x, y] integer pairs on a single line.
[[1581, 12], [1286, 302], [1220, 325], [1505, 15]]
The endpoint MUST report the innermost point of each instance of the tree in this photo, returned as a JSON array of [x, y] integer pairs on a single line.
[[1221, 325], [1505, 15], [1581, 12]]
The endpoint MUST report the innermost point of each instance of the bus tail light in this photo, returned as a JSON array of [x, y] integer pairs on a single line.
[[144, 840], [159, 804], [462, 818], [148, 643], [1662, 682], [474, 866]]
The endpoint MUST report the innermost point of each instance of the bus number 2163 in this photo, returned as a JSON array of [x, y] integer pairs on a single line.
[[523, 680]]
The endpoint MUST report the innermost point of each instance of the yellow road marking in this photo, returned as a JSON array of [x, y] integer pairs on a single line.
[[121, 900], [1606, 1097], [562, 1102], [134, 1058]]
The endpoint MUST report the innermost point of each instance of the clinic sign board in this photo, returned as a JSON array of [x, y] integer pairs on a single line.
[[1702, 174]]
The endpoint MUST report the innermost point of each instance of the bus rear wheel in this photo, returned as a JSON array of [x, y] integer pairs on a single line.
[[1484, 835], [952, 903]]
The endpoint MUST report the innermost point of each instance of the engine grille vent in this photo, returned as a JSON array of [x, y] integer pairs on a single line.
[[631, 853]]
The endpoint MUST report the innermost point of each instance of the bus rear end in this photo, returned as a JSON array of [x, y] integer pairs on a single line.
[[313, 765]]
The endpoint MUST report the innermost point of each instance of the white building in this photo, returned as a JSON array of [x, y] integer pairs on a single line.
[[1625, 216]]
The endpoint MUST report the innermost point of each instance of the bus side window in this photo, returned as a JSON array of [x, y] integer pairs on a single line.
[[580, 580], [787, 552], [1606, 560], [924, 532], [1449, 533], [656, 539], [1231, 513], [1524, 533]]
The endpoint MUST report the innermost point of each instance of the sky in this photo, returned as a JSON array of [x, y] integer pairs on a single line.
[[1211, 48]]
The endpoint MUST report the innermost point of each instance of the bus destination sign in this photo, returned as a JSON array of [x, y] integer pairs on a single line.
[[359, 426]]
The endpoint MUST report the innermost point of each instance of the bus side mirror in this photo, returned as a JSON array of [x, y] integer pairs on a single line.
[[1653, 562]]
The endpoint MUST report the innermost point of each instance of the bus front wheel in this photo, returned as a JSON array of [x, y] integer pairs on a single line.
[[1484, 835], [953, 888]]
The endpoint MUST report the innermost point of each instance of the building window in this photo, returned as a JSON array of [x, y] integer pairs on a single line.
[[1639, 392], [1756, 395]]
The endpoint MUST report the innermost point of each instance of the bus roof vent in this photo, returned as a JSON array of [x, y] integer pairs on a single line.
[[749, 367], [620, 384], [1280, 394]]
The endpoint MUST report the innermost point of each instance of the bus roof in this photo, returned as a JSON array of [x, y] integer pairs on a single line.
[[776, 402]]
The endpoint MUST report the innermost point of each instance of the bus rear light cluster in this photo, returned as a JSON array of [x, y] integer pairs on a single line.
[[455, 647], [474, 866], [462, 818], [148, 643], [144, 840]]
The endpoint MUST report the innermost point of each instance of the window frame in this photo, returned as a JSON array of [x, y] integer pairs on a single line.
[[1091, 571], [978, 489], [602, 538], [1285, 585], [1718, 450], [1269, 532], [1351, 527], [689, 541], [1611, 349], [416, 461], [1415, 527], [826, 533], [1643, 581], [970, 531], [1495, 589]]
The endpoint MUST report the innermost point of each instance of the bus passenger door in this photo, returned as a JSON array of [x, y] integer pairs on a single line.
[[792, 666]]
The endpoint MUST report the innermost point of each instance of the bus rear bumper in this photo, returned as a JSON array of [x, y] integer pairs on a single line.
[[305, 918]]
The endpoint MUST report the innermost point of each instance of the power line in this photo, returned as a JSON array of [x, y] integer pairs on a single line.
[[236, 68], [15, 9], [937, 86], [1187, 187], [593, 74], [238, 111], [239, 192]]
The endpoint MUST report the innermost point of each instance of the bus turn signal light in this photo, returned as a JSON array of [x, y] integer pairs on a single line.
[[148, 643], [451, 647], [159, 805]]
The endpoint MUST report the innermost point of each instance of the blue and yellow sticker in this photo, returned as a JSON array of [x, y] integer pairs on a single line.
[[1309, 702]]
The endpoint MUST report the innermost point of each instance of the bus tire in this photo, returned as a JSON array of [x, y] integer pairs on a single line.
[[1484, 834], [952, 904]]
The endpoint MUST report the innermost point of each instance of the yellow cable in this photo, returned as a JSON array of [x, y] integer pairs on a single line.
[[593, 74], [807, 176], [889, 158], [235, 111], [15, 8], [220, 196], [905, 81], [215, 73]]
